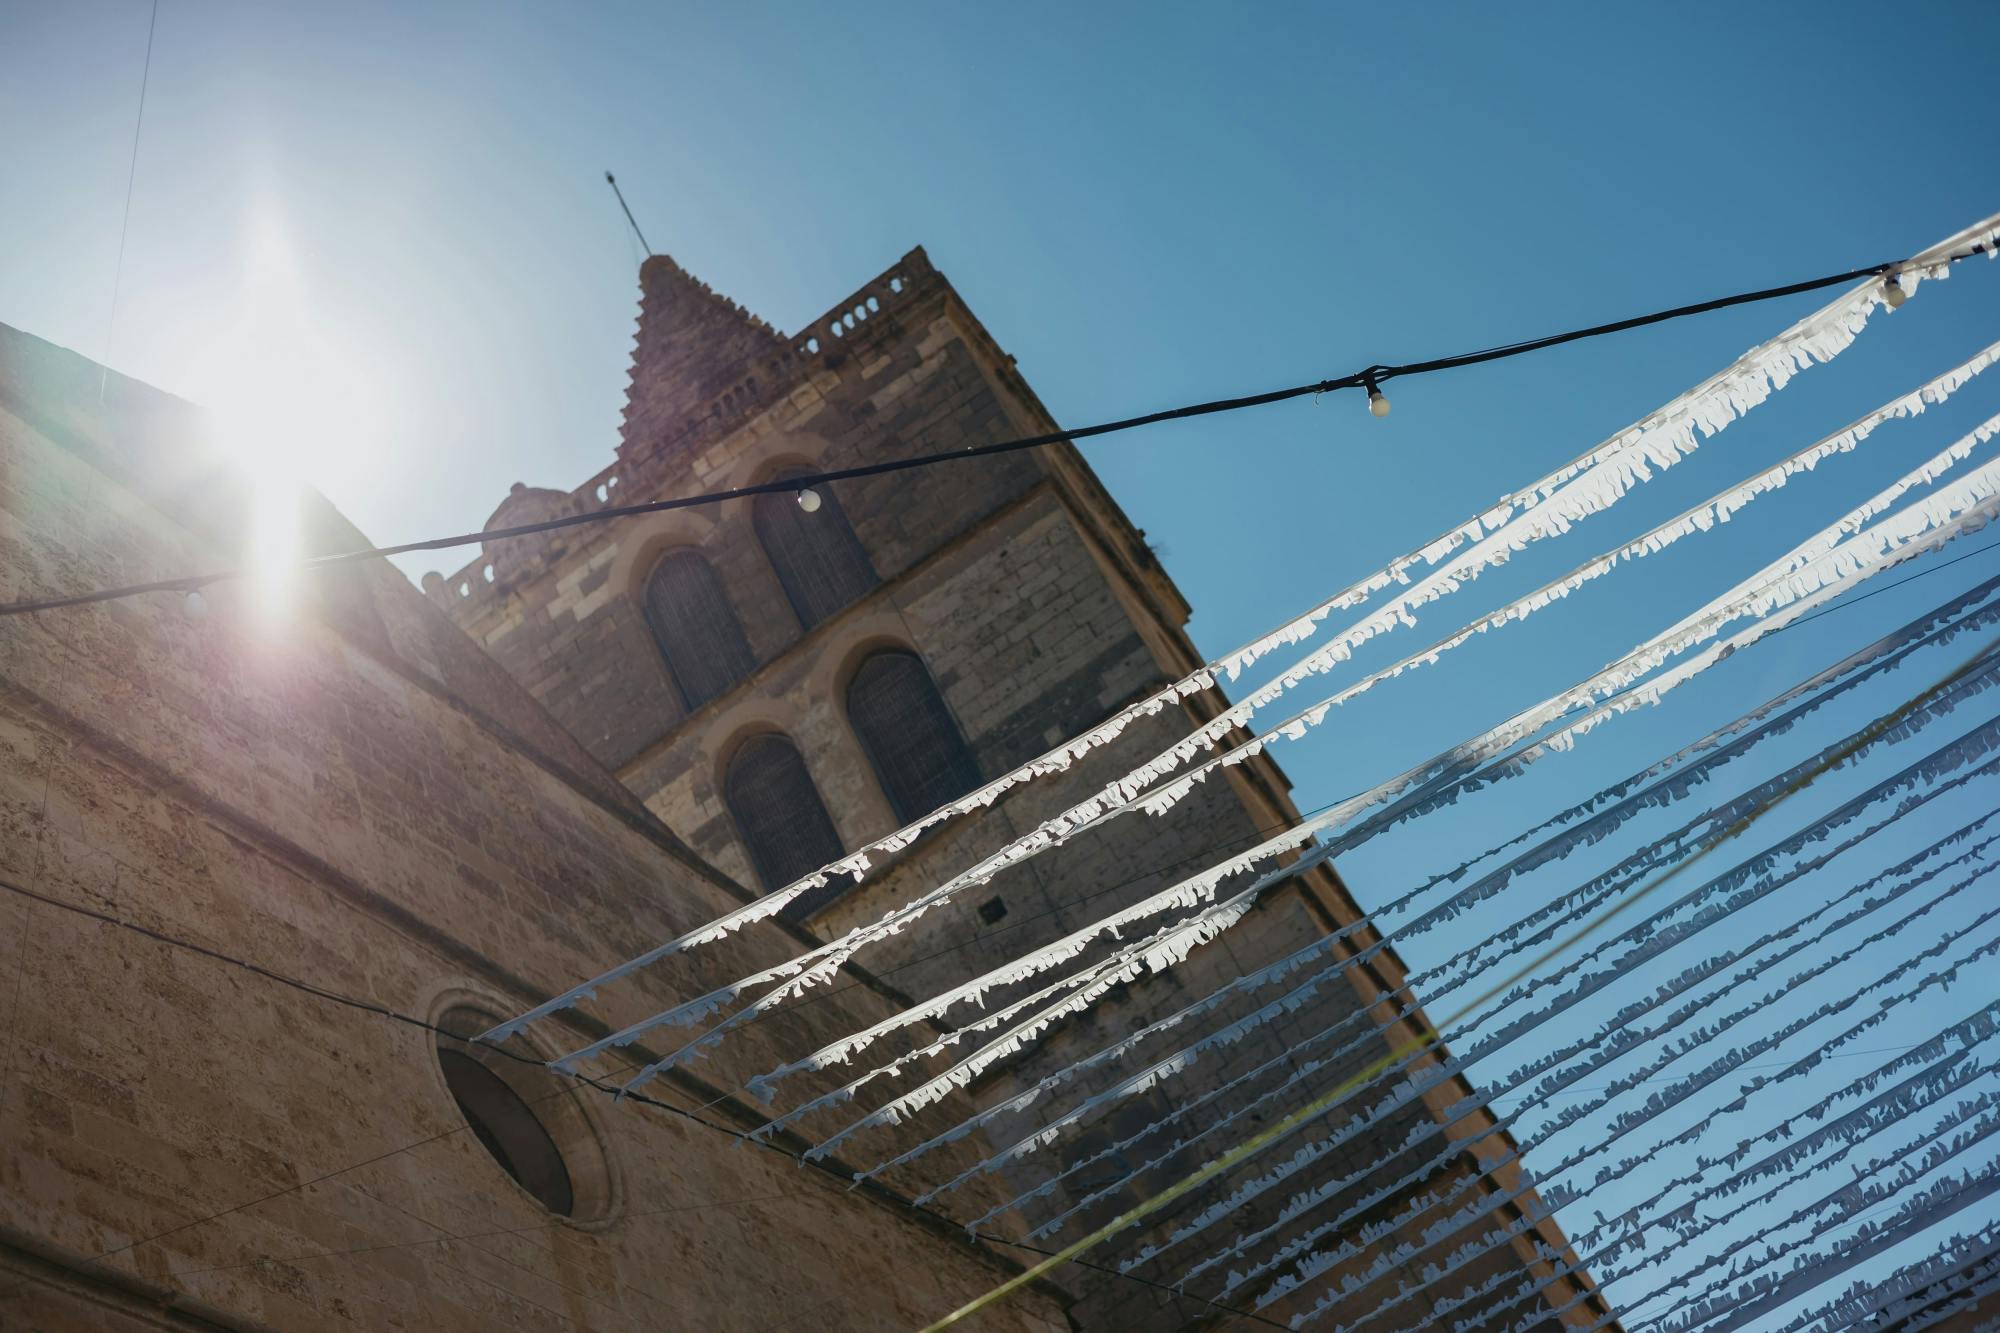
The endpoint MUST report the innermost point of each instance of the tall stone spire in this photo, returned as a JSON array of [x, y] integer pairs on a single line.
[[692, 345]]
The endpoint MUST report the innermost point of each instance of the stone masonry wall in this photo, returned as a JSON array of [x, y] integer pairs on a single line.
[[184, 1143]]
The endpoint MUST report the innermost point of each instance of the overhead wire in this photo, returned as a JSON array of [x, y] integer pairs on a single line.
[[1384, 1030], [985, 936], [1780, 577], [1705, 1079], [386, 1012], [125, 219], [1375, 374], [1106, 804], [1652, 937], [1656, 441]]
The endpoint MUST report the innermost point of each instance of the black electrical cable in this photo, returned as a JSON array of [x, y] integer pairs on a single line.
[[1371, 376], [125, 220], [1888, 587], [609, 1089]]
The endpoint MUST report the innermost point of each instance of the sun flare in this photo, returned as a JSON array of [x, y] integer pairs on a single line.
[[285, 398]]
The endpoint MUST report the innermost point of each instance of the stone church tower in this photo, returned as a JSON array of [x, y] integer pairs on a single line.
[[782, 684]]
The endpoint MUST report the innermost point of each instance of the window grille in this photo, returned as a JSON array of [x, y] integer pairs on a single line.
[[819, 561], [696, 627], [781, 817], [909, 735]]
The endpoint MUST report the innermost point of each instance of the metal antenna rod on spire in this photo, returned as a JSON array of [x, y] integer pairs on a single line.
[[612, 181]]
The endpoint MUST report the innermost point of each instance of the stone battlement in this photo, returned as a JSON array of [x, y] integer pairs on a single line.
[[855, 322]]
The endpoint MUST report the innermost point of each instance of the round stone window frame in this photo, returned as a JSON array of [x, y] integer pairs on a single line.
[[559, 1104]]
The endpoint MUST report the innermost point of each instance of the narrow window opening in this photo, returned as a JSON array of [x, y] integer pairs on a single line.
[[909, 735], [784, 823], [695, 625], [819, 561]]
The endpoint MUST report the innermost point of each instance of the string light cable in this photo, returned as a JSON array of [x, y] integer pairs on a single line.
[[1891, 274], [1544, 507]]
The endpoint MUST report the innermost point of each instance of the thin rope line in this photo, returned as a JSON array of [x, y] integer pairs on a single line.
[[1054, 1258], [1842, 605], [472, 1235], [383, 1011], [125, 225], [1433, 1037]]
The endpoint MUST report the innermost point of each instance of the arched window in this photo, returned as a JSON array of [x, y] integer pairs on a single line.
[[817, 557], [696, 627], [780, 815], [919, 757]]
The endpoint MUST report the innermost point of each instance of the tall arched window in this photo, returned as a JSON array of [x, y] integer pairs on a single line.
[[818, 559], [780, 815], [696, 627], [909, 735]]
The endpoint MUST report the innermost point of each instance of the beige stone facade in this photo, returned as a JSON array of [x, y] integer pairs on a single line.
[[358, 800]]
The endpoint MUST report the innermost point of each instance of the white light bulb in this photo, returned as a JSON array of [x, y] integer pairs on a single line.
[[1378, 403], [809, 500], [1894, 293], [195, 606]]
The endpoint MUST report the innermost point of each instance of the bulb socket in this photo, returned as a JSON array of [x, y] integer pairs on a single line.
[[1378, 402]]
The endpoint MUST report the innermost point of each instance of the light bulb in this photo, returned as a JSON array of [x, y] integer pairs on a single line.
[[1377, 404], [1893, 291], [194, 606], [809, 500]]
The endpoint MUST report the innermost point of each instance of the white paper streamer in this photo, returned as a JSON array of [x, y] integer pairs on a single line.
[[1659, 1102], [1657, 441], [1170, 946], [1813, 572], [1935, 627], [1175, 1064], [1619, 1087]]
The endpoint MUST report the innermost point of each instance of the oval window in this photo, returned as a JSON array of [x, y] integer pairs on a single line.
[[506, 1127], [526, 1118]]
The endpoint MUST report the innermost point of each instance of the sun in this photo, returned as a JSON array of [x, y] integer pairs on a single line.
[[287, 402]]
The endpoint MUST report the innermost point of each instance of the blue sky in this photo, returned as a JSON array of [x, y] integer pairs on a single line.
[[1147, 205]]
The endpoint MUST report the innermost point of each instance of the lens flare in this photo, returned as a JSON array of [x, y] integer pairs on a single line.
[[284, 397]]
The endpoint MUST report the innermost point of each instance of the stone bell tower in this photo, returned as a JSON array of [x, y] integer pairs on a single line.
[[782, 685]]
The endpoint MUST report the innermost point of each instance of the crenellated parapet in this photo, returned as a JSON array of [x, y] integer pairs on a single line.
[[663, 418]]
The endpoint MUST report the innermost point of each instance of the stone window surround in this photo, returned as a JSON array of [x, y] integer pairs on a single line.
[[838, 653], [745, 722], [644, 539], [861, 812], [575, 1124]]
